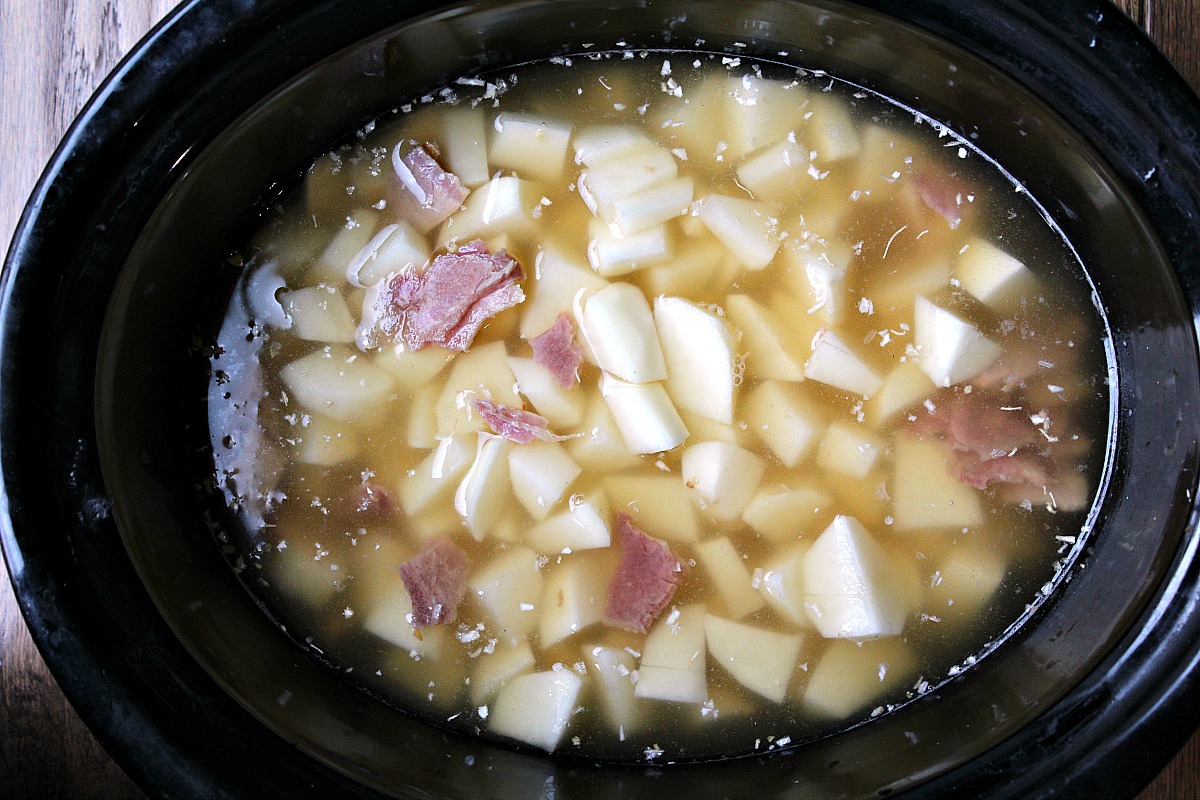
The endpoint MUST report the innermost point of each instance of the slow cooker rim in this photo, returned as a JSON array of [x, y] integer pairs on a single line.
[[39, 599]]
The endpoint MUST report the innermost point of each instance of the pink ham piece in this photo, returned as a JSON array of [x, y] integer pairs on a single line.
[[448, 303], [369, 500], [514, 424], [556, 351], [436, 579], [427, 194], [645, 580], [1021, 468], [943, 195], [977, 423]]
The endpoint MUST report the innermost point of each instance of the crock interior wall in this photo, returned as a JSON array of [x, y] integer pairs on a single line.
[[147, 337]]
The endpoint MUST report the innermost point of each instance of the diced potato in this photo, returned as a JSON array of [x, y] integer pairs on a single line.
[[624, 175], [849, 449], [673, 663], [330, 266], [413, 369], [530, 145], [319, 314], [771, 352], [601, 446], [541, 473], [482, 371], [703, 429], [758, 111], [390, 618], [502, 205], [904, 387], [395, 248], [575, 596], [493, 671], [438, 522], [759, 659], [659, 504], [583, 526], [614, 669], [340, 384], [729, 574], [924, 493], [422, 428], [605, 142], [886, 156], [436, 476], [536, 708], [689, 271], [851, 589], [323, 442], [558, 279], [783, 514], [644, 414], [611, 255], [787, 423], [304, 580], [834, 364], [748, 229], [778, 174], [464, 144], [952, 349], [995, 278], [652, 207], [722, 477], [480, 498], [782, 585], [966, 578], [698, 349], [831, 135], [509, 587], [562, 407], [816, 272], [619, 327], [896, 291], [851, 676]]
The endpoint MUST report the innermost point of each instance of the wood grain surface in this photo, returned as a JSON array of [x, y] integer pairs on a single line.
[[52, 55]]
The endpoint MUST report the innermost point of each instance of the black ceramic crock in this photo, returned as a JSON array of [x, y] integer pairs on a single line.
[[189, 685]]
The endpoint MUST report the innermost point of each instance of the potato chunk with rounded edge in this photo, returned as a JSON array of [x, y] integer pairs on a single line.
[[536, 708]]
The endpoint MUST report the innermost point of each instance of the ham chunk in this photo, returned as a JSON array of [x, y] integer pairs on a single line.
[[436, 579], [449, 302], [978, 423], [943, 195], [556, 351], [369, 500], [428, 194], [514, 424], [1020, 469], [645, 580]]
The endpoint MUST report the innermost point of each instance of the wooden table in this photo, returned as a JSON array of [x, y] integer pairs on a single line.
[[52, 55]]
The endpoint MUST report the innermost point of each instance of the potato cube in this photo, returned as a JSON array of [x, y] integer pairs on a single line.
[[339, 383], [413, 369], [831, 135], [778, 174], [834, 364], [652, 207], [601, 446], [563, 408], [583, 526], [390, 618], [894, 292], [659, 504], [849, 450], [816, 272], [464, 143], [771, 353], [966, 579], [321, 441], [782, 514], [319, 314], [621, 176], [851, 676], [761, 660], [690, 269], [728, 572], [952, 349], [575, 596], [421, 431], [722, 477], [541, 473], [509, 587], [605, 142], [480, 498], [504, 204], [493, 671], [530, 145], [673, 663], [748, 229], [904, 387], [644, 414], [924, 493], [995, 278], [698, 348], [782, 585], [619, 327], [850, 587], [482, 371], [437, 475], [787, 423], [615, 669], [330, 266], [536, 708], [558, 279], [395, 248], [611, 255]]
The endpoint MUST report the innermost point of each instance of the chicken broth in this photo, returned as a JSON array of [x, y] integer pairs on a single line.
[[656, 406]]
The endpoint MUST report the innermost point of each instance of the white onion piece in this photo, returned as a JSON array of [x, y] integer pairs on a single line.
[[368, 253]]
